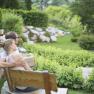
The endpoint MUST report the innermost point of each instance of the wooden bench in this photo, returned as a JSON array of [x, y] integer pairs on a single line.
[[42, 80]]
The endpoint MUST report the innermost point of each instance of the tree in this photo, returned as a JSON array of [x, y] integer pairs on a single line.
[[13, 4], [28, 4], [85, 8]]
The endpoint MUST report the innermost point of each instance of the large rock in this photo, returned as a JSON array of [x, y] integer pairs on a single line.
[[44, 38], [53, 38], [86, 72]]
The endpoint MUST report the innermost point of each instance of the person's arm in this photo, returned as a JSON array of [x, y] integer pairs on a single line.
[[5, 64], [23, 61], [18, 58]]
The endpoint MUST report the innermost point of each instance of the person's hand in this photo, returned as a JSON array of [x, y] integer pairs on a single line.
[[20, 64]]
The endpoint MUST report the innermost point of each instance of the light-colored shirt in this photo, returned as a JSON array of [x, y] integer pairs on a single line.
[[3, 54]]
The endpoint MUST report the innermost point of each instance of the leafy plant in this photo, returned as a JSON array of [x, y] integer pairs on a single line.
[[86, 41], [12, 22]]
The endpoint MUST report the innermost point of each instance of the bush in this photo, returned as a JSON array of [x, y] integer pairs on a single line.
[[62, 18], [13, 4], [74, 25], [57, 15], [71, 77], [86, 42], [63, 57], [74, 39], [66, 76], [34, 18], [12, 22], [63, 63]]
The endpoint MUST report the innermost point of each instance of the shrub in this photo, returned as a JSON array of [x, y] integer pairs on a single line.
[[63, 63], [71, 77], [74, 25], [57, 15], [37, 19], [12, 22], [13, 4], [74, 39], [86, 42], [34, 18], [66, 76], [62, 18], [63, 57]]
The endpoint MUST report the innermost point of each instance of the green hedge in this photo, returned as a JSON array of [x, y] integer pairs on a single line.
[[63, 57], [34, 18]]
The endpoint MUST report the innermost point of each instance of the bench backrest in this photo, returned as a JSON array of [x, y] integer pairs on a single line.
[[42, 80]]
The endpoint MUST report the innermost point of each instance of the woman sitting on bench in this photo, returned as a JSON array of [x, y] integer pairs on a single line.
[[14, 56]]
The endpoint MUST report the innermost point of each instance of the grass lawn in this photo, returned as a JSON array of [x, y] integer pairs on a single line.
[[64, 43]]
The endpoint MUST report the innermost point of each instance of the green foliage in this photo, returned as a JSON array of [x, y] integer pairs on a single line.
[[71, 77], [63, 63], [37, 19], [0, 20], [89, 84], [63, 57], [2, 80], [74, 25], [12, 22], [57, 14], [87, 41], [28, 4], [13, 4], [34, 18], [74, 39], [84, 8], [62, 18], [66, 76]]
